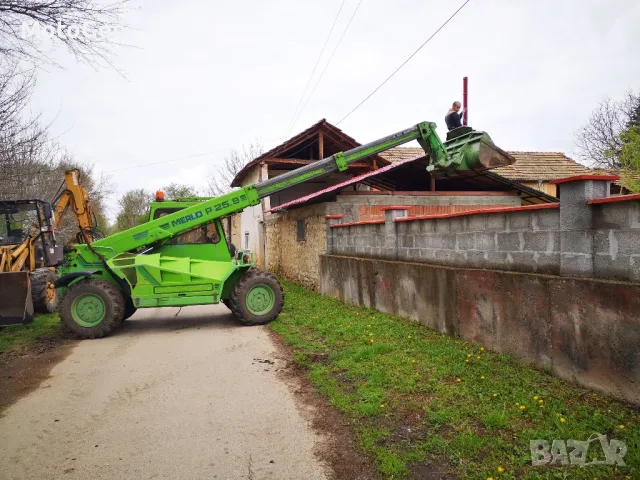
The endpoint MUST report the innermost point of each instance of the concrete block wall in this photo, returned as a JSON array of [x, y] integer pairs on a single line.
[[587, 234]]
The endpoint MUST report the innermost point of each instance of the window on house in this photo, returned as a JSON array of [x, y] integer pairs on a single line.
[[246, 240], [301, 234]]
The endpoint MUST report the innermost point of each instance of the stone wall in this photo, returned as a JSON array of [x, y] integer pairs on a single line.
[[296, 259], [585, 330], [587, 234]]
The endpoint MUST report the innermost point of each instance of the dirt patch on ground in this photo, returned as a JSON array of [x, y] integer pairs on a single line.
[[339, 449], [22, 370]]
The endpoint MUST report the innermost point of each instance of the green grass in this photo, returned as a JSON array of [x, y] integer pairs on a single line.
[[17, 336], [418, 398]]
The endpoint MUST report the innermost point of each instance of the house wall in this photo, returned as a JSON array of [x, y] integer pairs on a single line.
[[293, 259], [251, 220], [545, 187]]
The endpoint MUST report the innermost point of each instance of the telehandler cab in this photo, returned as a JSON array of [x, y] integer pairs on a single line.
[[180, 256]]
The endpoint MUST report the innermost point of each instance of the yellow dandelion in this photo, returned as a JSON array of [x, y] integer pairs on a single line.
[[413, 361], [495, 394], [489, 478], [468, 361], [482, 377], [409, 336], [371, 334], [517, 403], [478, 357], [500, 469], [536, 397], [621, 427], [522, 407], [563, 420], [458, 379], [469, 355], [541, 401], [482, 349], [382, 405]]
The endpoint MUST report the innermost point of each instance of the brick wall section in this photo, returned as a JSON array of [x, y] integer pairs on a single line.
[[586, 234]]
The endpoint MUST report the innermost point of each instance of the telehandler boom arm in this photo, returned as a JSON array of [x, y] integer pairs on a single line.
[[471, 151]]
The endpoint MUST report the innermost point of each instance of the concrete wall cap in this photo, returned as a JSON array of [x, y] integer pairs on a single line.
[[583, 178], [542, 206], [615, 198]]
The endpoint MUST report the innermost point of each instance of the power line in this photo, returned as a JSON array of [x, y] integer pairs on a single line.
[[404, 63], [327, 65], [289, 126], [159, 163]]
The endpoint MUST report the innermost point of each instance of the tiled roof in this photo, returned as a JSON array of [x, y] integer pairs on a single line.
[[625, 176], [529, 166]]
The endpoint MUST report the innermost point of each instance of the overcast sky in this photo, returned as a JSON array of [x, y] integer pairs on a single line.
[[207, 76]]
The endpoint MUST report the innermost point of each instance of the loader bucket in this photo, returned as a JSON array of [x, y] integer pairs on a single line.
[[472, 151], [16, 305]]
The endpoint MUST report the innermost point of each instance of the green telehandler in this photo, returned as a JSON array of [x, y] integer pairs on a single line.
[[180, 256]]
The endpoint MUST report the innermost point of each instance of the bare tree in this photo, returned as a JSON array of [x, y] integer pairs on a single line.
[[220, 181], [84, 27], [598, 141]]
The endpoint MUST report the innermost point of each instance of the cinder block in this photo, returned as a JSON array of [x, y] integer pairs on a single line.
[[457, 224], [444, 257], [510, 242], [545, 220], [576, 264], [466, 241], [487, 241], [442, 225], [406, 241], [496, 222], [634, 272], [618, 268], [403, 253], [476, 259], [497, 260], [427, 254], [426, 226], [576, 242], [519, 221], [543, 242], [523, 261], [575, 217], [402, 228], [548, 263], [414, 228], [612, 215], [477, 223], [628, 241]]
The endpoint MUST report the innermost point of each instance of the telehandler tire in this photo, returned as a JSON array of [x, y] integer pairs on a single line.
[[45, 297], [92, 308], [257, 298]]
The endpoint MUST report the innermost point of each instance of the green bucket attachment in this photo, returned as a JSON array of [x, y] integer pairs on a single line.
[[470, 150], [16, 305]]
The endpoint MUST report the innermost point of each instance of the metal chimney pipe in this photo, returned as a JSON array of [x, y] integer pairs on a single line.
[[465, 86]]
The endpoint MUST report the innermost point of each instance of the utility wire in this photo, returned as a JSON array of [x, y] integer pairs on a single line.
[[158, 163], [327, 65], [289, 126], [404, 63]]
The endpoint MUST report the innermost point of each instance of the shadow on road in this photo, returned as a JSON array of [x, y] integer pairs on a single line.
[[161, 320]]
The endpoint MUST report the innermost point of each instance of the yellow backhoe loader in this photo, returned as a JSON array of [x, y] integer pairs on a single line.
[[30, 252]]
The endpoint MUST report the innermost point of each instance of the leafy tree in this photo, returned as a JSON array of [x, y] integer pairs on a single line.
[[177, 190], [598, 141], [630, 157], [133, 209]]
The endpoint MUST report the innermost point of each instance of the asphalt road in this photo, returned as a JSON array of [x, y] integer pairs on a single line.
[[186, 397]]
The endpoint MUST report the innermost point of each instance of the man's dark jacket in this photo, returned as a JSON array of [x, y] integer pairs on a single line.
[[453, 119]]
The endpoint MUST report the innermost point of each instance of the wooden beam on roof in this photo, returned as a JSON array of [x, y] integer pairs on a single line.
[[320, 144], [298, 161]]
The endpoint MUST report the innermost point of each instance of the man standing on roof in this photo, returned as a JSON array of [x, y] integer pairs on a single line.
[[453, 119]]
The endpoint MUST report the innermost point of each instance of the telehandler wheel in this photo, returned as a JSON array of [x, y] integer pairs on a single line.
[[257, 298], [44, 294], [92, 308]]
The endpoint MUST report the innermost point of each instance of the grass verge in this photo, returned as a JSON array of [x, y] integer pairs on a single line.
[[17, 336], [422, 402]]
